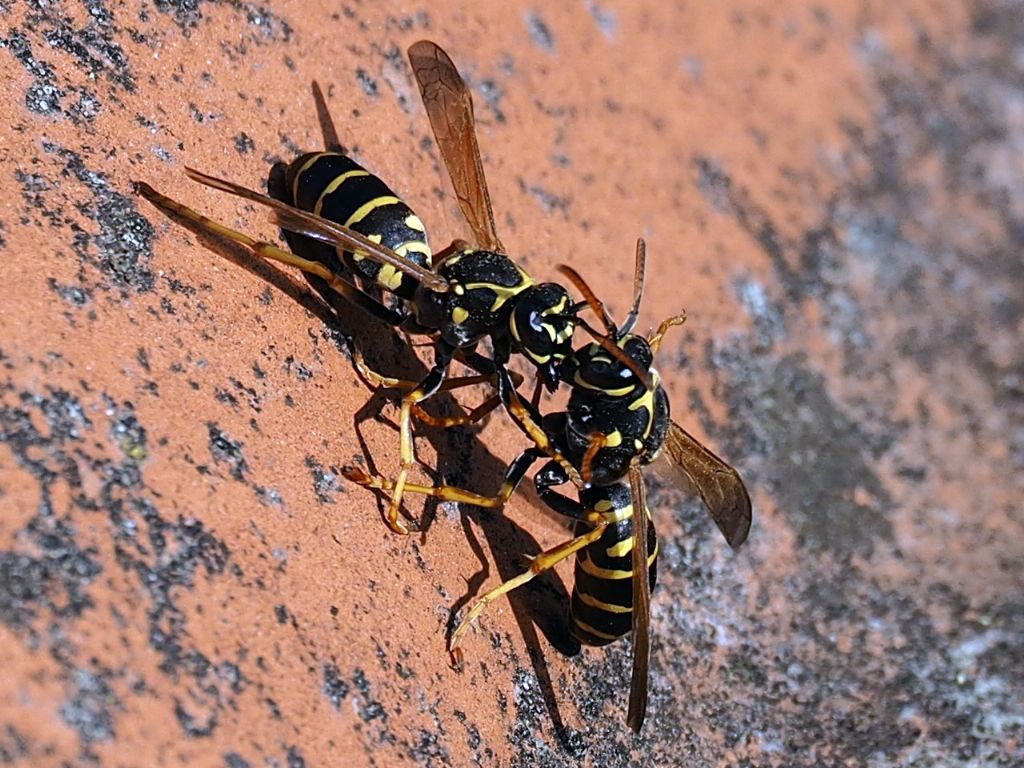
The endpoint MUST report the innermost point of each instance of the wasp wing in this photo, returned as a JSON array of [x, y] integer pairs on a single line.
[[718, 484], [309, 224], [641, 602], [450, 110]]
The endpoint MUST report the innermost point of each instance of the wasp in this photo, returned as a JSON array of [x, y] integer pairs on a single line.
[[616, 422], [365, 243]]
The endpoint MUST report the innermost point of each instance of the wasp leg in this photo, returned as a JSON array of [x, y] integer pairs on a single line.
[[433, 381], [545, 561], [550, 475], [472, 417], [529, 420], [656, 338], [513, 476], [597, 442], [375, 379], [203, 225]]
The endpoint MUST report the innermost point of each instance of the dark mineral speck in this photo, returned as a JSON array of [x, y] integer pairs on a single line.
[[227, 451], [334, 688], [366, 82], [540, 32], [244, 144]]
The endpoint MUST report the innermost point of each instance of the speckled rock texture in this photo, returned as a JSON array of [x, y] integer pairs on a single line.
[[833, 191]]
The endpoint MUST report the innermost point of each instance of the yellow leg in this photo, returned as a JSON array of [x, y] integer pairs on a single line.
[[655, 339], [207, 227], [410, 407], [472, 417], [522, 417], [375, 379], [514, 475], [443, 492], [407, 457], [204, 224], [545, 561]]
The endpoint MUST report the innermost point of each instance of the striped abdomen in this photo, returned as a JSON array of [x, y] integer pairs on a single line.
[[336, 187], [602, 597]]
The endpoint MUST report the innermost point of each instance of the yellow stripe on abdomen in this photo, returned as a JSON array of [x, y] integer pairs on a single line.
[[369, 207], [593, 602], [336, 182]]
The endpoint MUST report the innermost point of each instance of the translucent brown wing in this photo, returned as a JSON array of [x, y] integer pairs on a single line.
[[309, 224], [718, 484], [450, 110], [641, 602]]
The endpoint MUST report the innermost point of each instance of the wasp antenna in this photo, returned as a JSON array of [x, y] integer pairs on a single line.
[[638, 286], [590, 299], [597, 442], [598, 336]]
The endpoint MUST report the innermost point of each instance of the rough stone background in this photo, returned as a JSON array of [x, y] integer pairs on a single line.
[[835, 193]]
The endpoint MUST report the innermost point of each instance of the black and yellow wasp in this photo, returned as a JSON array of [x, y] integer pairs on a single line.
[[617, 421], [366, 244]]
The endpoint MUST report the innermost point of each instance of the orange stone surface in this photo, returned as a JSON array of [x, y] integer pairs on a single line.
[[833, 191]]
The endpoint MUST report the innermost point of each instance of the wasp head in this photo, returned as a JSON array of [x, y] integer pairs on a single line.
[[542, 326], [598, 367]]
